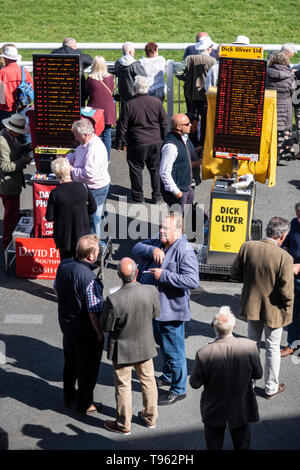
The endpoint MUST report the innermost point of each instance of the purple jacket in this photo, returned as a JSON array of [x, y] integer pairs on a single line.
[[180, 274]]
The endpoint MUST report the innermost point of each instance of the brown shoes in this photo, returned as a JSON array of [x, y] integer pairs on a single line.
[[287, 351], [281, 389], [113, 426]]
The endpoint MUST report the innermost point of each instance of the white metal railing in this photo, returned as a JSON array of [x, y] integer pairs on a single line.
[[170, 67], [118, 45]]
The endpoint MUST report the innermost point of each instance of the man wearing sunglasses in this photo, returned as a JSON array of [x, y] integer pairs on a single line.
[[176, 167]]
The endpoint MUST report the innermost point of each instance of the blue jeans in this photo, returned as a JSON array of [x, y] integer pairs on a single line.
[[170, 337], [106, 139], [294, 327], [100, 196]]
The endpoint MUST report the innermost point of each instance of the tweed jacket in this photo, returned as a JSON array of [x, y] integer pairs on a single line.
[[127, 316], [197, 67], [11, 165], [226, 368], [268, 290]]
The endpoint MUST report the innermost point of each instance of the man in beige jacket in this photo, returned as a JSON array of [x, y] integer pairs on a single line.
[[267, 295]]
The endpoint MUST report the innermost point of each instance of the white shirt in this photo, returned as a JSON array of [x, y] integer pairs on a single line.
[[90, 164], [169, 154]]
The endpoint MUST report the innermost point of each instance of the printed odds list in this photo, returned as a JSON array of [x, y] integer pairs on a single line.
[[57, 98], [239, 109]]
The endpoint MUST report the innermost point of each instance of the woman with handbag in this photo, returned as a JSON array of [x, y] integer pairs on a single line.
[[69, 206], [99, 91]]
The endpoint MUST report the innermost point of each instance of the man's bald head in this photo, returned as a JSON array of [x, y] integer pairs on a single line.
[[127, 270], [180, 123], [201, 35]]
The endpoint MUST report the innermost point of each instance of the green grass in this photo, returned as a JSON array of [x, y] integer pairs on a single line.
[[143, 21], [275, 21]]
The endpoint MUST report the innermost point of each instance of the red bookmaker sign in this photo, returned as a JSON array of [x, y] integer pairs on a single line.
[[41, 192], [36, 258]]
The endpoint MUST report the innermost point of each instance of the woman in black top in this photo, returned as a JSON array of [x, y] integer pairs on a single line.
[[69, 206]]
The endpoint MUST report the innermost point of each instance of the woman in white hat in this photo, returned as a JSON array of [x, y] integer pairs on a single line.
[[10, 79], [13, 159]]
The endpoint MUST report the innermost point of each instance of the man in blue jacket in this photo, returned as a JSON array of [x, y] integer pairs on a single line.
[[170, 263]]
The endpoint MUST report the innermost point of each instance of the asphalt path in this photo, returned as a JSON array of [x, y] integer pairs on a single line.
[[31, 356]]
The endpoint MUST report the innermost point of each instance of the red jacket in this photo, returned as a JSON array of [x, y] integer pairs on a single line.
[[11, 77]]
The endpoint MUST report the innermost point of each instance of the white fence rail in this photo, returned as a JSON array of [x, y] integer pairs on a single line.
[[118, 45], [38, 46]]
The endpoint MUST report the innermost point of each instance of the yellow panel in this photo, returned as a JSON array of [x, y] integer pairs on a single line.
[[242, 52], [229, 221], [267, 165]]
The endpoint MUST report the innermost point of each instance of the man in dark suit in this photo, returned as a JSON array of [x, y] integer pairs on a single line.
[[127, 316], [226, 368]]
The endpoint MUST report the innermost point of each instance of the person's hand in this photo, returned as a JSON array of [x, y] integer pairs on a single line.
[[178, 195], [158, 255], [156, 272], [296, 269], [27, 159]]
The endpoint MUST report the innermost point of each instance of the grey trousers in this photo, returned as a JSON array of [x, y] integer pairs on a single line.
[[272, 358]]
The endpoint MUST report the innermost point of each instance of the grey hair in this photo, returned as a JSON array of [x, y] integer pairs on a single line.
[[131, 276], [69, 42], [83, 126], [179, 222], [141, 85], [61, 168], [297, 206], [277, 227], [127, 47], [279, 58], [223, 322], [290, 47]]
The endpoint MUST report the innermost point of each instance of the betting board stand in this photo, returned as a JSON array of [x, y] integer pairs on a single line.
[[57, 104], [238, 126]]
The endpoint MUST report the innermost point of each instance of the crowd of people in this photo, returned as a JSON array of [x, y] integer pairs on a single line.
[[153, 303]]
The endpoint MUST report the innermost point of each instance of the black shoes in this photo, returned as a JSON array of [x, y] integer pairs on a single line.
[[170, 399], [160, 382]]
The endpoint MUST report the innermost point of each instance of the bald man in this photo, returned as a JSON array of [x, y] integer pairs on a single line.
[[176, 166], [127, 316], [226, 368], [191, 50]]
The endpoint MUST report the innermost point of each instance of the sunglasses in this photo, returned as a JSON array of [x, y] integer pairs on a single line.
[[185, 123]]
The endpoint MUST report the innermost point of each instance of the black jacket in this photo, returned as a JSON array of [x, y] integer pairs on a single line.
[[143, 121], [126, 75], [69, 207], [72, 279], [85, 59]]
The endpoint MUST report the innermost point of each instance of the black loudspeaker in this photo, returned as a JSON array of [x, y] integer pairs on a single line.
[[256, 229]]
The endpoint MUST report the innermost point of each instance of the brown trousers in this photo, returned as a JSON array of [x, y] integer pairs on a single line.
[[122, 378]]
